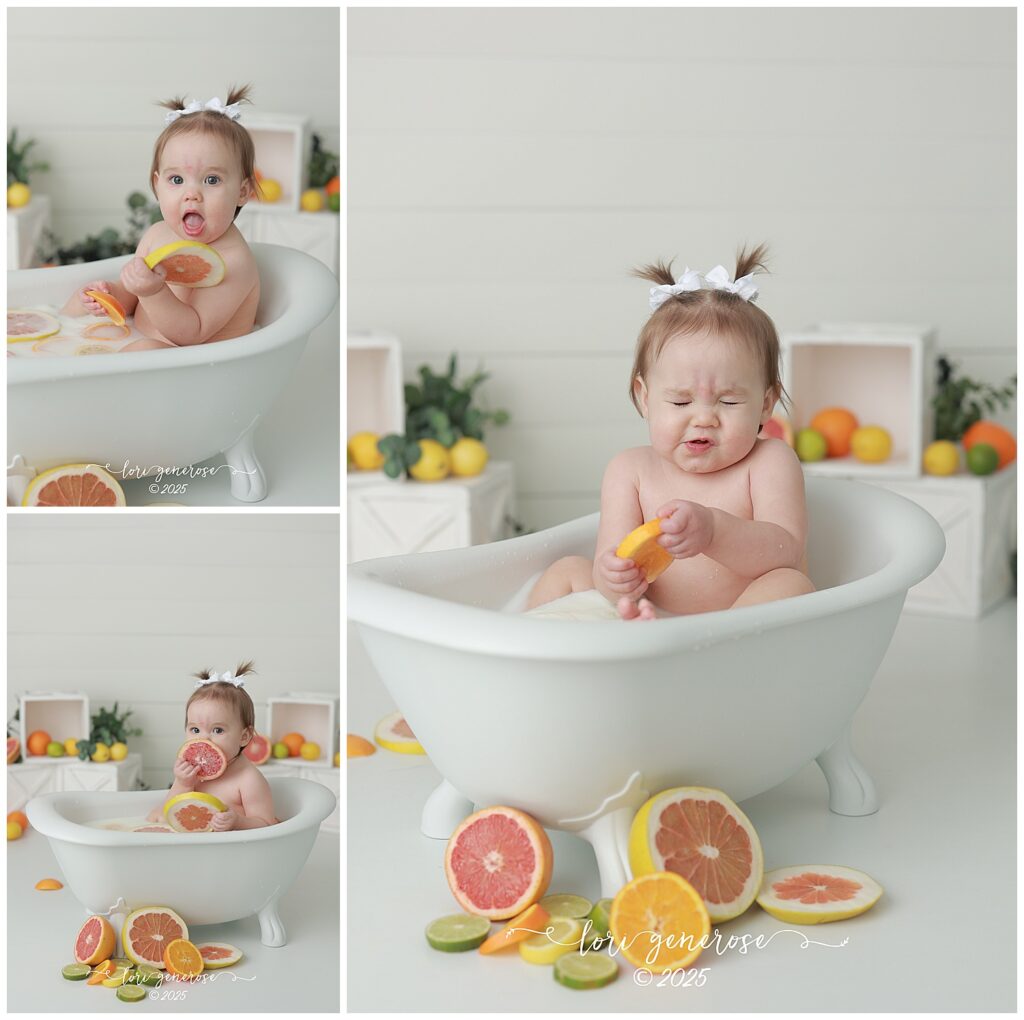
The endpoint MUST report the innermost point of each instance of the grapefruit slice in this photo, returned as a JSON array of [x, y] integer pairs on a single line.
[[359, 747], [212, 761], [93, 349], [498, 862], [147, 932], [530, 922], [193, 812], [641, 546], [13, 750], [703, 836], [817, 893], [94, 941], [153, 828], [258, 749], [218, 954], [26, 324], [394, 734], [74, 485], [189, 263], [110, 305], [106, 331]]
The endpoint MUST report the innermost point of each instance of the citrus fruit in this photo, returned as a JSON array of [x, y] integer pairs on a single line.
[[269, 190], [38, 742], [310, 751], [102, 752], [193, 812], [982, 459], [871, 444], [118, 752], [434, 463], [532, 920], [498, 862], [218, 954], [258, 749], [117, 976], [468, 457], [312, 200], [188, 263], [658, 921], [359, 747], [810, 445], [25, 324], [334, 203], [561, 935], [94, 941], [333, 185], [457, 933], [74, 485], [996, 436], [110, 305], [598, 917], [76, 971], [102, 331], [703, 836], [566, 905], [641, 546], [14, 830], [294, 742], [816, 893], [93, 349], [13, 750], [131, 993], [591, 971], [362, 448], [940, 458], [280, 750], [55, 749], [71, 747], [148, 931], [337, 759], [778, 427], [212, 761], [182, 959], [20, 817], [49, 885], [153, 828], [837, 425], [18, 194], [394, 734]]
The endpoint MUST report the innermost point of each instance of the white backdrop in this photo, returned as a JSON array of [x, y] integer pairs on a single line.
[[509, 166], [124, 607]]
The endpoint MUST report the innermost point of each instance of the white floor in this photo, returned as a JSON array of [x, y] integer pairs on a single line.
[[937, 732], [299, 977]]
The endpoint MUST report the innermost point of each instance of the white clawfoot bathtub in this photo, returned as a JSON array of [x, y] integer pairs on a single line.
[[207, 878], [164, 408], [577, 723]]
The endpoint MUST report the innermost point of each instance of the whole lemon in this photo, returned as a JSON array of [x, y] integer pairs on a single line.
[[280, 751], [982, 458], [337, 759], [941, 458], [102, 753], [871, 444], [119, 751], [310, 751], [312, 200], [469, 457], [55, 749], [18, 194], [434, 464], [810, 445], [71, 747], [269, 190], [362, 448], [14, 830]]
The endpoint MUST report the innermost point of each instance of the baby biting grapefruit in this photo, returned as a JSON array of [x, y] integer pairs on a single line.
[[189, 263], [208, 756]]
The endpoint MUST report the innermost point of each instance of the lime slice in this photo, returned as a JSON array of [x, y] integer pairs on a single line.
[[143, 975], [131, 993], [600, 923], [76, 971], [458, 933], [565, 935], [591, 971], [566, 905]]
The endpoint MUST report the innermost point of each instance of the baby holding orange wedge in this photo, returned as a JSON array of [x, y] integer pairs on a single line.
[[709, 515], [193, 279]]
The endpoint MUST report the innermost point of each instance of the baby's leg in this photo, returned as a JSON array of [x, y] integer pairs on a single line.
[[782, 583], [563, 577], [148, 344]]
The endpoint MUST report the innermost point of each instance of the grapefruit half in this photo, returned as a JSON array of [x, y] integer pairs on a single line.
[[94, 941], [394, 734], [26, 324], [212, 761], [147, 932], [189, 263], [816, 893], [258, 749], [498, 862], [74, 485], [701, 835]]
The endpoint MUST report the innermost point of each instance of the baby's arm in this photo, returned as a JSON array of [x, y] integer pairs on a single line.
[[257, 803], [620, 514]]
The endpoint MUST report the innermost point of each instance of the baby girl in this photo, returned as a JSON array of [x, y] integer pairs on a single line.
[[706, 378], [220, 711], [203, 173]]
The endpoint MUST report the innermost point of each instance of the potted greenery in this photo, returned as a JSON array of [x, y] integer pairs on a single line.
[[142, 213], [960, 402]]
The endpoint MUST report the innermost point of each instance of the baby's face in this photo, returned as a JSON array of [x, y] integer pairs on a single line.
[[199, 185], [216, 722], [704, 399]]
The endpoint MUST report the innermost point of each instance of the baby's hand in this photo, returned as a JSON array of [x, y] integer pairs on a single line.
[[623, 577], [90, 304], [138, 279], [225, 821], [687, 529], [185, 773]]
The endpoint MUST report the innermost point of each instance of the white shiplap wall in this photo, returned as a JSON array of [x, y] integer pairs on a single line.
[[84, 80], [508, 166], [126, 606]]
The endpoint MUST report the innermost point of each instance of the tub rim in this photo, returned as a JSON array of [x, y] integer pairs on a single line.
[[917, 544]]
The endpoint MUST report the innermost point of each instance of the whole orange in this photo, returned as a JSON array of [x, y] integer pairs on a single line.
[[38, 742], [294, 742], [20, 817], [996, 436], [333, 186], [837, 425]]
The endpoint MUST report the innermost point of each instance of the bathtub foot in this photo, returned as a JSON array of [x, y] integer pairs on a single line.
[[272, 931], [248, 482], [444, 809], [850, 789], [609, 836]]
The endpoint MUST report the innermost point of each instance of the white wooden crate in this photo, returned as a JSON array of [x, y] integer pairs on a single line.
[[283, 144], [375, 392], [314, 715]]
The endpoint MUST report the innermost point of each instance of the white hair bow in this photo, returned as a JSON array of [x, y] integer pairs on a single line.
[[214, 105], [690, 280], [716, 279], [227, 678]]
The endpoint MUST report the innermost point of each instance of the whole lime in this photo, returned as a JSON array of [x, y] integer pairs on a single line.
[[982, 459], [810, 445], [55, 749], [334, 202], [280, 751]]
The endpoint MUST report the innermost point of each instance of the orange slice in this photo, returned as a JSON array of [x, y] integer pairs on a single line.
[[106, 331], [110, 305], [659, 922], [359, 747], [48, 885], [641, 546], [182, 959], [532, 921]]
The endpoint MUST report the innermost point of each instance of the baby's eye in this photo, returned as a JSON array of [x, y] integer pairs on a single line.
[[211, 179], [176, 179], [218, 729], [730, 403], [680, 403]]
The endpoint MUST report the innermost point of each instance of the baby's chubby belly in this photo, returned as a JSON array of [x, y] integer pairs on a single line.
[[696, 585]]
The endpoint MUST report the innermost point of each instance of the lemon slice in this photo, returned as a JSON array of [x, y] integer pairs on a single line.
[[641, 546], [817, 893], [562, 935]]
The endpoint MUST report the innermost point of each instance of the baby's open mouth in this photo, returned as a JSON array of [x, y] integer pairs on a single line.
[[193, 223]]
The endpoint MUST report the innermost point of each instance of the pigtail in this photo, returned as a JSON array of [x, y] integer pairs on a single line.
[[203, 674], [244, 669], [657, 272], [238, 94], [177, 103], [749, 262]]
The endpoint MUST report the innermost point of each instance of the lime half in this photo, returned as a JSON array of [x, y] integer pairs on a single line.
[[566, 905], [591, 971], [76, 971], [599, 920], [458, 933], [565, 935], [131, 993]]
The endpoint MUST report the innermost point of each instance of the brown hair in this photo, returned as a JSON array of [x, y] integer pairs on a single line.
[[227, 693], [709, 311], [212, 123]]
